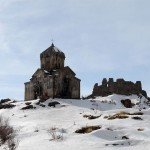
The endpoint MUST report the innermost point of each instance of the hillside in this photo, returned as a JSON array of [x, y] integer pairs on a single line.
[[119, 127]]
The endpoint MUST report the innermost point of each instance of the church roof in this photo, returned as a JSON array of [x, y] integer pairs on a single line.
[[51, 50], [68, 68]]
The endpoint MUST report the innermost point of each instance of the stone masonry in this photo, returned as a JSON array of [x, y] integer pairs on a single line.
[[120, 86], [53, 79]]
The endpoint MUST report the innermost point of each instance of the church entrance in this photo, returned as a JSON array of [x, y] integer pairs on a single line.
[[37, 90], [66, 84]]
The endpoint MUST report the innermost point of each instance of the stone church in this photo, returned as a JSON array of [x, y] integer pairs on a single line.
[[53, 79]]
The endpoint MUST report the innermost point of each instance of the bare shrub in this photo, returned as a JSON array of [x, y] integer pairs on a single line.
[[95, 107], [56, 135], [7, 134]]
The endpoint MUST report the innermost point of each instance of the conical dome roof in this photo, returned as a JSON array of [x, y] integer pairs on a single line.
[[52, 50]]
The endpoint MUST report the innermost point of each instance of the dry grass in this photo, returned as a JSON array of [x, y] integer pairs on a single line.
[[127, 113], [117, 117], [87, 129], [55, 135], [123, 115]]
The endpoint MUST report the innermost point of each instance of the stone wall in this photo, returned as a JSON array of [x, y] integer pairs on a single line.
[[52, 59], [60, 84], [120, 86]]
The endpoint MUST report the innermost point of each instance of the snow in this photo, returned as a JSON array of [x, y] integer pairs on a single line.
[[68, 117], [56, 49], [46, 72]]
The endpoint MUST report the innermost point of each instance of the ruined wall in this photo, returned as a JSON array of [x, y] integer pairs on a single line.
[[120, 86]]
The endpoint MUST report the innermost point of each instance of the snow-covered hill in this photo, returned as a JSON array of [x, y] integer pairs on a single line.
[[36, 126]]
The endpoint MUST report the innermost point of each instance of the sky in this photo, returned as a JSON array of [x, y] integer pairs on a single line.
[[100, 38]]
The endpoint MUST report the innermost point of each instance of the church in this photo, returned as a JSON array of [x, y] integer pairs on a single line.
[[53, 79]]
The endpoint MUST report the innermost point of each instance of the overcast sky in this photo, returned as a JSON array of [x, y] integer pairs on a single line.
[[100, 38]]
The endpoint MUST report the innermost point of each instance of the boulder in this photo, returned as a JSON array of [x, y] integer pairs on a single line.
[[127, 103], [6, 106], [53, 104], [28, 107], [4, 100]]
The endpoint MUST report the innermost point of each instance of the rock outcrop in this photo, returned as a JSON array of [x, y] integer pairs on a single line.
[[127, 103]]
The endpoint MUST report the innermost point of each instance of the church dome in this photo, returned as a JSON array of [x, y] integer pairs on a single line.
[[52, 50]]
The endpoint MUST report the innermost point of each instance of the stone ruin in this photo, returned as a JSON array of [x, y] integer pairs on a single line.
[[120, 86]]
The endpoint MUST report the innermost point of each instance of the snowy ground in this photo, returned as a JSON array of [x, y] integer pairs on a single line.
[[33, 125]]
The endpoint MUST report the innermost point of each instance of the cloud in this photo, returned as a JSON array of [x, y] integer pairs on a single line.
[[100, 38]]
